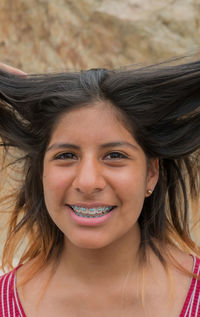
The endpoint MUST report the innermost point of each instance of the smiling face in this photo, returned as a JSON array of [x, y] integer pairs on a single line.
[[95, 177]]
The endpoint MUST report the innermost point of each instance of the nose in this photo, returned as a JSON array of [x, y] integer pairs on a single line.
[[89, 177]]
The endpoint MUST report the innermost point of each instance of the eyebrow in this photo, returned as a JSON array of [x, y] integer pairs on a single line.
[[103, 146]]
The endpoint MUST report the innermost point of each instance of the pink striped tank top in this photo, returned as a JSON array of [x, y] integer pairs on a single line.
[[10, 305]]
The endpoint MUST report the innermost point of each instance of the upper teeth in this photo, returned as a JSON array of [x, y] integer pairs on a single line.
[[91, 211]]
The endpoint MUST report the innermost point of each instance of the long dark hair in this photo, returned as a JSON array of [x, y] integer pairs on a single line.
[[159, 104]]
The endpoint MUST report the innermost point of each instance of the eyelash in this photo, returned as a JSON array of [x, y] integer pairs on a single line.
[[65, 155], [120, 155], [61, 156]]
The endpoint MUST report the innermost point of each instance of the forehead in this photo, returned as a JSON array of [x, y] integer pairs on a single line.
[[98, 121]]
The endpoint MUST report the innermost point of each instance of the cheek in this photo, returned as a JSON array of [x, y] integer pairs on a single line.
[[130, 189], [55, 184], [130, 184]]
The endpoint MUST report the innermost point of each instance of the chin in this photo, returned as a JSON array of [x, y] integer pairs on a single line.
[[88, 244]]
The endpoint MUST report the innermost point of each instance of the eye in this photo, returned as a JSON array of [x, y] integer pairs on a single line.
[[115, 156], [66, 156]]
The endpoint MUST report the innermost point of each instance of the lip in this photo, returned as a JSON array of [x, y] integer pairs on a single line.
[[91, 222], [91, 205]]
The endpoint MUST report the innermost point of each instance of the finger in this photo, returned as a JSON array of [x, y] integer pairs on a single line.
[[12, 70]]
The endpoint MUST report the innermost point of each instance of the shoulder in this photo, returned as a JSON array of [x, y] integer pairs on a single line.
[[9, 302], [7, 282], [196, 269], [195, 285], [192, 303]]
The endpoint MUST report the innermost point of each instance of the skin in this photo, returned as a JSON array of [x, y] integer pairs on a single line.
[[93, 174], [98, 273], [11, 69]]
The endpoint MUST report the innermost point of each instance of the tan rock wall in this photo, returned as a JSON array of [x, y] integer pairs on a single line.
[[46, 35]]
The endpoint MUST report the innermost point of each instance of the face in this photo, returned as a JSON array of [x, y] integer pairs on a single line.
[[95, 177]]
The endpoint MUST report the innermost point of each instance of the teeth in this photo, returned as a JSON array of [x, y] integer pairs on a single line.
[[91, 211], [83, 210]]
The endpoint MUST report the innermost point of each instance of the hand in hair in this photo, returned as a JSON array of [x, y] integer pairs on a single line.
[[11, 69]]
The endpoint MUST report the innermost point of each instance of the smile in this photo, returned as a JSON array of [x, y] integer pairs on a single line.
[[91, 212]]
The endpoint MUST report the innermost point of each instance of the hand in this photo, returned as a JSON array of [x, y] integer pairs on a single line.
[[12, 70]]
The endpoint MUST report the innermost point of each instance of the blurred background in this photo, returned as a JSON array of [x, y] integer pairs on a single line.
[[54, 35]]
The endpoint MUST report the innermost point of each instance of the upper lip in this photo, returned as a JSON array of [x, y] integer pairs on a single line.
[[91, 205]]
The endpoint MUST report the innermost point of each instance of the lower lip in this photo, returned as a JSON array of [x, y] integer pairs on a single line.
[[89, 221]]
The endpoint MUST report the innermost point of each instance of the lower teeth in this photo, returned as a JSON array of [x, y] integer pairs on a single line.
[[90, 216]]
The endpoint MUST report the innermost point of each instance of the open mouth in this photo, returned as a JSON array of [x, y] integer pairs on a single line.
[[91, 212]]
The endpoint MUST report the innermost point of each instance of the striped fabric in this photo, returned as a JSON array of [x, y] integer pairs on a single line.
[[191, 306], [10, 305]]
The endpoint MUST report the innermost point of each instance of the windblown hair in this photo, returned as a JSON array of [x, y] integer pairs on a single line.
[[159, 104]]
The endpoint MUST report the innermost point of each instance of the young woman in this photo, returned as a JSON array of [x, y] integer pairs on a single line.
[[110, 168]]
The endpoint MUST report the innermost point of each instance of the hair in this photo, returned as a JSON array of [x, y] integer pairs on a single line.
[[160, 104]]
